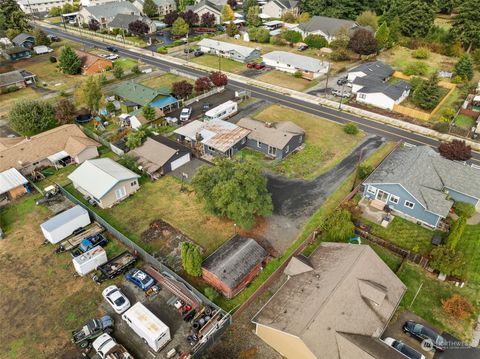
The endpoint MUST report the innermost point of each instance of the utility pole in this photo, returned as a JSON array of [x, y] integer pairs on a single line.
[[326, 82], [341, 97], [187, 48]]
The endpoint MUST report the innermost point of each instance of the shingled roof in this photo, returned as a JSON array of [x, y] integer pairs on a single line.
[[328, 25], [137, 93], [234, 260]]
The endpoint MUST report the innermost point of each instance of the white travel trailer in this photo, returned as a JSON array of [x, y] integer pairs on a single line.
[[90, 260], [222, 111]]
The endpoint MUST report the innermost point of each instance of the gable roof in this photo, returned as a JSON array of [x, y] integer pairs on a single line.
[[318, 304], [89, 59], [425, 174], [328, 25], [11, 78], [226, 47], [393, 90], [306, 63], [275, 134], [234, 260], [111, 9], [11, 179], [159, 2], [137, 93], [353, 346], [21, 152], [217, 8], [100, 175], [156, 152], [376, 69], [21, 38], [16, 50], [286, 4], [123, 20]]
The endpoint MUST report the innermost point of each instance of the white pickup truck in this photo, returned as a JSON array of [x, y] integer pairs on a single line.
[[107, 348]]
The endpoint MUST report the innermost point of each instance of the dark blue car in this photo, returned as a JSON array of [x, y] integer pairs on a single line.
[[425, 334], [141, 279]]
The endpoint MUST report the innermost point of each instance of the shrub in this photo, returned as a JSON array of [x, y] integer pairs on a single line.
[[456, 150], [292, 36], [350, 128], [416, 68], [457, 306], [476, 57], [162, 50], [447, 261], [211, 293], [338, 227], [298, 74], [456, 232], [456, 80], [340, 55], [441, 127], [191, 259], [421, 53], [364, 171], [316, 41], [136, 69], [464, 209], [277, 40], [52, 59], [118, 72]]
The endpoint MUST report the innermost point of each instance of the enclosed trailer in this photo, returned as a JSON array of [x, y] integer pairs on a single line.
[[147, 326], [90, 261], [64, 224], [222, 111]]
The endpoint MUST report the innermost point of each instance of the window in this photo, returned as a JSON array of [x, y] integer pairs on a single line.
[[409, 204], [362, 96], [120, 193], [287, 149], [133, 183], [371, 190], [272, 150], [300, 139], [394, 199], [259, 144]]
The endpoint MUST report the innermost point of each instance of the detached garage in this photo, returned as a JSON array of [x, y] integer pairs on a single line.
[[64, 224], [159, 156]]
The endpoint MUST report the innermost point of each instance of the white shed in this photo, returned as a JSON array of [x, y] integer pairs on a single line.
[[64, 224]]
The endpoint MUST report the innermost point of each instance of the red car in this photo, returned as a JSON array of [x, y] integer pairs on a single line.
[[259, 66], [251, 65]]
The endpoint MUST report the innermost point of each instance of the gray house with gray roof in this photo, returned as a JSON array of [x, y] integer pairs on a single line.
[[105, 13], [327, 27], [420, 185]]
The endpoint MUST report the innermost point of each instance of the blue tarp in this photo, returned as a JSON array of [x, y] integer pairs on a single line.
[[164, 102]]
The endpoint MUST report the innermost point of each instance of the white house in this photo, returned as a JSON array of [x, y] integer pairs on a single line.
[[164, 6], [41, 6], [289, 62], [380, 94], [231, 51], [278, 8], [93, 2]]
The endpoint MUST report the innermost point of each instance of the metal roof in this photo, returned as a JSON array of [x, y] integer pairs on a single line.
[[11, 179], [63, 218], [227, 47], [305, 63]]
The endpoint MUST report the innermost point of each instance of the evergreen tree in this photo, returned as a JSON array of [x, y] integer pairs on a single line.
[[427, 94], [383, 36], [247, 4], [12, 17], [416, 16], [191, 259], [31, 117], [150, 9], [40, 37], [368, 18], [69, 62], [394, 31], [466, 25], [464, 67], [253, 18], [227, 13], [148, 112]]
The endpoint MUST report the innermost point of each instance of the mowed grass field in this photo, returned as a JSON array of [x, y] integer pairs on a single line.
[[286, 80], [326, 144], [165, 81], [214, 62]]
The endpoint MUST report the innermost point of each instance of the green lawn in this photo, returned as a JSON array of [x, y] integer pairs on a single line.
[[404, 234], [286, 80], [214, 62], [165, 80], [469, 246], [392, 260], [428, 303], [465, 121], [125, 64], [326, 144]]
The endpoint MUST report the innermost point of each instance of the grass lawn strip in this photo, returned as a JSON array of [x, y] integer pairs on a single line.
[[226, 65], [165, 80], [286, 80], [469, 246], [125, 63]]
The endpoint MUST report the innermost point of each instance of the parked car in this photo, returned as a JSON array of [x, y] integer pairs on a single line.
[[91, 330], [171, 120], [251, 65], [342, 81], [198, 53], [185, 114], [422, 333], [259, 66], [88, 243], [141, 279], [112, 49], [53, 38], [116, 299], [340, 93], [302, 47], [403, 348], [112, 57], [205, 106]]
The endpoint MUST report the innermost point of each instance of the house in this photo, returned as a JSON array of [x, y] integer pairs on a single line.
[[158, 156], [418, 184], [16, 53], [208, 6], [278, 8], [374, 92], [375, 69], [121, 21], [334, 305], [289, 62], [105, 13], [215, 137], [56, 147], [164, 6], [234, 265], [327, 27], [16, 79], [86, 3], [133, 96], [41, 6], [13, 184], [275, 140], [24, 40], [93, 64], [105, 181], [137, 119], [230, 51]]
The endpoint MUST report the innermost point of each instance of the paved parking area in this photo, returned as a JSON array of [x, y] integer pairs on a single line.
[[190, 169]]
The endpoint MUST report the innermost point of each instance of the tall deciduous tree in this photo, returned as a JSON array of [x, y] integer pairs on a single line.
[[190, 17], [138, 27], [69, 62], [90, 93], [136, 138], [12, 17], [148, 112], [368, 18], [64, 111], [344, 9], [253, 16], [292, 36], [182, 89], [464, 67], [416, 16], [93, 25], [227, 13], [363, 42], [207, 20], [466, 25], [218, 78], [170, 18], [149, 8], [203, 84], [235, 190], [455, 150], [31, 117], [180, 27], [247, 4]]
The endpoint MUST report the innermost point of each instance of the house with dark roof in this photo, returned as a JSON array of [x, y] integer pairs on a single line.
[[24, 40], [327, 27], [336, 304], [133, 96], [93, 64], [420, 185], [158, 156], [163, 6], [105, 13], [375, 69], [276, 140], [16, 53], [278, 8], [207, 6], [234, 265], [122, 21], [16, 79]]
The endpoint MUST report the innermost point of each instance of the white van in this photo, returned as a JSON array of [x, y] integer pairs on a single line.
[[147, 326], [222, 111]]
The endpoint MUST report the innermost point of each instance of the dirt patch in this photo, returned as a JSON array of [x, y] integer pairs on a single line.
[[171, 239]]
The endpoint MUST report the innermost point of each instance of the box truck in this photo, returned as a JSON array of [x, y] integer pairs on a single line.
[[147, 326], [222, 111], [64, 224], [90, 261]]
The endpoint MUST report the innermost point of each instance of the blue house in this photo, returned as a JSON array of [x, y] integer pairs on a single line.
[[420, 185], [24, 40], [276, 140], [17, 53]]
